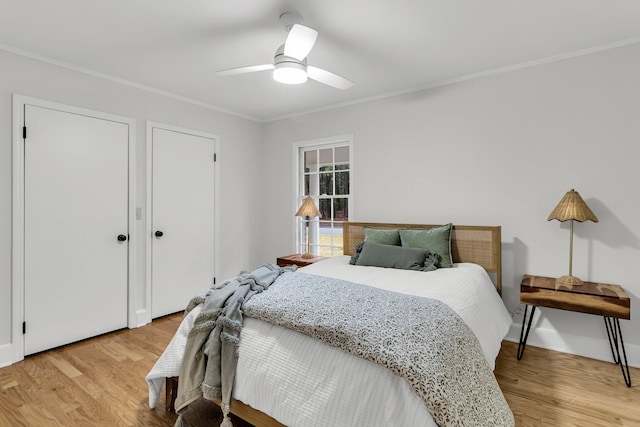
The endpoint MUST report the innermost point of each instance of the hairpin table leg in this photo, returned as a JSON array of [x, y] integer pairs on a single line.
[[523, 342], [615, 342]]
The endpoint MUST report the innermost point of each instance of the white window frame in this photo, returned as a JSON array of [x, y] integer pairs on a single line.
[[298, 190]]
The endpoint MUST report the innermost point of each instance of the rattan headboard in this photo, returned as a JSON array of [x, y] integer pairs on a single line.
[[469, 243]]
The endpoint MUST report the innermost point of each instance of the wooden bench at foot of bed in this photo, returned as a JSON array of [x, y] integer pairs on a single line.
[[239, 409], [171, 392]]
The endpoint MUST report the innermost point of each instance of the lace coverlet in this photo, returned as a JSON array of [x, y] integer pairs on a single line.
[[420, 339]]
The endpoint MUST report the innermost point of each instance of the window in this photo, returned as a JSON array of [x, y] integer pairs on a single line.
[[324, 173]]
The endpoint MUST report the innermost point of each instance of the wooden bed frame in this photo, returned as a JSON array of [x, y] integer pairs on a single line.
[[469, 243]]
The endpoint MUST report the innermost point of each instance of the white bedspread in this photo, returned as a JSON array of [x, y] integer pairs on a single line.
[[168, 365], [302, 382]]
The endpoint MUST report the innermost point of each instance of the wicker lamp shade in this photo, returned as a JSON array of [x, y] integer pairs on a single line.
[[571, 208], [308, 209]]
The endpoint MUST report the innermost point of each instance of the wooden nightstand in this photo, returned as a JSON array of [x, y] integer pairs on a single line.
[[609, 301], [296, 259]]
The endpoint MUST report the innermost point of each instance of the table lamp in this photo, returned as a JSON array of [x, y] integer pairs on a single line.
[[308, 209], [571, 208]]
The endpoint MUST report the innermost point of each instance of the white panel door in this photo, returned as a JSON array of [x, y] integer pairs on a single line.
[[76, 201], [182, 232]]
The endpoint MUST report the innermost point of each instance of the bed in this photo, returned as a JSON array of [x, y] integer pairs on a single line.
[[302, 381]]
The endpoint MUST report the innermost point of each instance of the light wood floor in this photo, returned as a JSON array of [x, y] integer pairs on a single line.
[[548, 388], [100, 382]]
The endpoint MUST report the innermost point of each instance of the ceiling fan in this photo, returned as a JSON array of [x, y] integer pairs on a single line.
[[290, 61]]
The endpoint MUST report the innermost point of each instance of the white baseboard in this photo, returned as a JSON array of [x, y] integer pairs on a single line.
[[6, 355], [593, 348], [143, 316]]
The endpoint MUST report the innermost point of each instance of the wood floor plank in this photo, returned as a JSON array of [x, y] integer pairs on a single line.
[[64, 366], [100, 382], [549, 388]]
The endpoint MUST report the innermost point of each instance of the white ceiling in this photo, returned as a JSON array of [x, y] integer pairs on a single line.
[[383, 46]]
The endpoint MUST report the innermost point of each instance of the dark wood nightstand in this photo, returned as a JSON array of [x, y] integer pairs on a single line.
[[609, 301], [296, 259]]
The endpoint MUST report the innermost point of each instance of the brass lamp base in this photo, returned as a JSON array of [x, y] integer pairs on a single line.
[[568, 281], [308, 255]]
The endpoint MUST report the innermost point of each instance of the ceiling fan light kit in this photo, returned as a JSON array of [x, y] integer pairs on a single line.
[[290, 61], [289, 70], [290, 73]]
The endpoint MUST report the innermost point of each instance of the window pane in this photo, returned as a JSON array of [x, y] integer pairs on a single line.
[[311, 184], [325, 209], [342, 183], [325, 251], [326, 184], [306, 185], [330, 239], [337, 239], [326, 159], [341, 209], [311, 161], [302, 229], [326, 237], [342, 155]]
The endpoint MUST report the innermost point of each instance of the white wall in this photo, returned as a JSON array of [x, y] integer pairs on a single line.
[[240, 148], [499, 150]]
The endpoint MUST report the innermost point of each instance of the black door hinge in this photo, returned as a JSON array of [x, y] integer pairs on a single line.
[[24, 328], [215, 157], [24, 132], [214, 280]]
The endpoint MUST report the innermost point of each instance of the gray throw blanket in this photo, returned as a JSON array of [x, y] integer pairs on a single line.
[[212, 344], [420, 339]]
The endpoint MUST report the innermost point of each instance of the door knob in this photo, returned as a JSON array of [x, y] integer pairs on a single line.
[[121, 237], [159, 233]]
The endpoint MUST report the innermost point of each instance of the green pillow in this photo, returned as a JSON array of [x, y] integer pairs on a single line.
[[436, 239], [389, 256], [384, 237]]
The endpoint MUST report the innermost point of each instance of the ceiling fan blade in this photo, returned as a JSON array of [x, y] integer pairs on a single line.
[[243, 70], [300, 41], [328, 78]]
